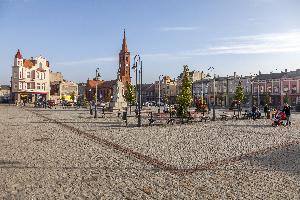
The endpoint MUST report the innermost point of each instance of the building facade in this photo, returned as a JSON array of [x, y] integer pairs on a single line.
[[5, 93], [61, 88], [279, 87], [224, 91], [30, 78]]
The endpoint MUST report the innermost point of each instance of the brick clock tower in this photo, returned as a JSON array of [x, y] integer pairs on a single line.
[[124, 62]]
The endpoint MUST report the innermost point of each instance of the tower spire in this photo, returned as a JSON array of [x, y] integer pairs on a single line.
[[124, 45], [18, 54]]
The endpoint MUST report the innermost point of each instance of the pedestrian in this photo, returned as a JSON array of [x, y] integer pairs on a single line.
[[254, 110], [287, 110], [266, 110]]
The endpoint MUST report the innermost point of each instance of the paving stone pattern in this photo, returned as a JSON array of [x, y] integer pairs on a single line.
[[67, 154]]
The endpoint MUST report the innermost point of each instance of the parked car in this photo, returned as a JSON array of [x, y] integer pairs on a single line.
[[166, 108]]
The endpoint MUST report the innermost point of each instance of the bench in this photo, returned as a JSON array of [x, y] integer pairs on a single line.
[[161, 117], [225, 116], [205, 118]]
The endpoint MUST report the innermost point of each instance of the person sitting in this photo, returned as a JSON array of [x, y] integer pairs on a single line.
[[254, 110]]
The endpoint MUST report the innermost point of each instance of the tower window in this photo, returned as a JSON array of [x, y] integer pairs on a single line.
[[126, 59]]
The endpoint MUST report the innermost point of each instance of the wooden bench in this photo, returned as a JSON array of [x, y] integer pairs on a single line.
[[205, 118], [161, 117], [197, 117], [225, 116]]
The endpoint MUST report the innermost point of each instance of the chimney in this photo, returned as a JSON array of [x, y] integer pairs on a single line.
[[285, 70], [234, 74]]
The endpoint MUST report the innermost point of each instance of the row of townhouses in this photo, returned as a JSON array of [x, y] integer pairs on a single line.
[[32, 80]]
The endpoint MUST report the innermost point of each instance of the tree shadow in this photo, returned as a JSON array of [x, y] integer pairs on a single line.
[[9, 162], [249, 125], [285, 159]]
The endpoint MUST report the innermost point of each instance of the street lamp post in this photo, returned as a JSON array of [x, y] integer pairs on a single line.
[[202, 88], [96, 93], [159, 93], [214, 110], [214, 90], [137, 60]]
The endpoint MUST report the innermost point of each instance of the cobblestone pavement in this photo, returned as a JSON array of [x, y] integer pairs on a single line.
[[57, 154]]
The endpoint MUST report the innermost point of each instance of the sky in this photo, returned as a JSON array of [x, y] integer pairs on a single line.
[[77, 36]]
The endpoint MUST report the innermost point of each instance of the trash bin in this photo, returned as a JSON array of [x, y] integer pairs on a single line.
[[124, 116], [268, 115]]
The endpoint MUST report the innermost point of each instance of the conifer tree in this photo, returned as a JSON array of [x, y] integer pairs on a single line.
[[185, 98], [130, 94], [239, 92], [72, 97]]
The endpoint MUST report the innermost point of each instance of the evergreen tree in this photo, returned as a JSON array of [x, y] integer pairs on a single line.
[[107, 96], [72, 97], [286, 99], [85, 103], [130, 94], [239, 92], [185, 98], [267, 98]]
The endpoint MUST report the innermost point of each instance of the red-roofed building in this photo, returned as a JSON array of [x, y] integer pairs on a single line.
[[105, 88], [30, 78]]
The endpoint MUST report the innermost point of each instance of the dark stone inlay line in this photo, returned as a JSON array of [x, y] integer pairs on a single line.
[[165, 166]]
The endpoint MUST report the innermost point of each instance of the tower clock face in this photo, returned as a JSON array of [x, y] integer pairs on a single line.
[[126, 65]]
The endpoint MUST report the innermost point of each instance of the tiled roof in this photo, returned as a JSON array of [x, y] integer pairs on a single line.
[[18, 55], [92, 83], [28, 63], [269, 76]]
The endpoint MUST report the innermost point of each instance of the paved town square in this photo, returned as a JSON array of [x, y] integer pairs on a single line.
[[67, 154]]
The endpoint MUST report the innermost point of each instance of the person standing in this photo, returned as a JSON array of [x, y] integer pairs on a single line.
[[266, 111], [287, 110], [254, 110]]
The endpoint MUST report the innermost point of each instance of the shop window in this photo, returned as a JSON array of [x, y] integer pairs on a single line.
[[38, 86]]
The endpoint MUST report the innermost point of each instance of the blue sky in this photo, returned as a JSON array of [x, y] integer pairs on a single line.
[[77, 36]]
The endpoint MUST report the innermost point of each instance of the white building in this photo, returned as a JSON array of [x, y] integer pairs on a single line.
[[30, 78]]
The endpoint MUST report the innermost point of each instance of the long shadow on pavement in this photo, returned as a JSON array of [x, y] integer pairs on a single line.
[[285, 159]]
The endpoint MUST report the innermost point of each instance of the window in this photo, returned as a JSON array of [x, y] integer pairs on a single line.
[[15, 86], [28, 74], [294, 89], [20, 86], [40, 65], [20, 75], [43, 86], [38, 86], [15, 75], [269, 89], [28, 85]]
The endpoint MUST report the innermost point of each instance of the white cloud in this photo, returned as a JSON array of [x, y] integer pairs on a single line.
[[180, 28], [287, 42]]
